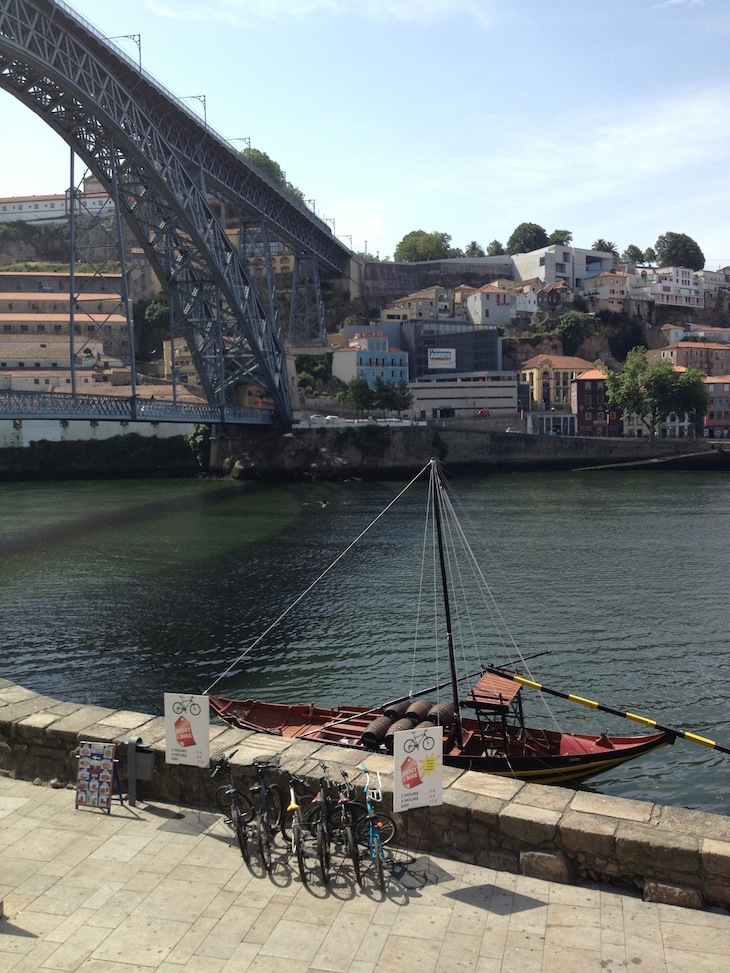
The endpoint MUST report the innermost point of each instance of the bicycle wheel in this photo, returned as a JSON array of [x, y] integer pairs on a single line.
[[323, 852], [241, 833], [384, 824], [275, 805], [298, 843], [353, 851], [223, 803], [376, 853], [264, 844]]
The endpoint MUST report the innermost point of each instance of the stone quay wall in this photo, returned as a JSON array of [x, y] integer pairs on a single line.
[[379, 450], [669, 854]]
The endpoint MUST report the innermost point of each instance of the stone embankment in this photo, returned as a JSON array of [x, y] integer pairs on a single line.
[[669, 854], [378, 450]]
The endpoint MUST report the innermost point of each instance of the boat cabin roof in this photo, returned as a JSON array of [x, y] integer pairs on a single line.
[[493, 692]]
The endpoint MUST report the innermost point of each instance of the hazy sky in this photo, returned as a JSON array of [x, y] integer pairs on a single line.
[[463, 116]]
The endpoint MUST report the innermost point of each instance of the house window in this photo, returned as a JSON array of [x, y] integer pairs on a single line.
[[589, 416]]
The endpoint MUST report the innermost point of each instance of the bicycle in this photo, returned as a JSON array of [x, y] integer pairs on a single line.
[[180, 706], [375, 842], [334, 821], [269, 809], [293, 824], [236, 808]]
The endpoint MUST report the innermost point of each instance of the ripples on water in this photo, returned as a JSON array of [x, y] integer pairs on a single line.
[[117, 592]]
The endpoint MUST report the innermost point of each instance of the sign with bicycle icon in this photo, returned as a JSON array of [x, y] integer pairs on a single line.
[[187, 729], [418, 768]]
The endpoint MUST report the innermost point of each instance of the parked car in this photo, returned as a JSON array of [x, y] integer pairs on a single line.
[[331, 418], [315, 418], [512, 429], [482, 414]]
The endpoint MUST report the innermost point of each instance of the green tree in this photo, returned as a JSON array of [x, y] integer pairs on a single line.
[[495, 249], [561, 238], [679, 250], [403, 398], [527, 237], [571, 328], [650, 255], [606, 246], [692, 395], [474, 250], [359, 395], [651, 391], [632, 255], [272, 169], [419, 245], [392, 396], [157, 315]]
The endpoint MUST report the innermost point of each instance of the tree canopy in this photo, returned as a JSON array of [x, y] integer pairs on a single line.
[[571, 327], [633, 255], [561, 238], [360, 395], [651, 391], [474, 250], [679, 250], [272, 169], [606, 246], [420, 245], [527, 237], [392, 396], [495, 249]]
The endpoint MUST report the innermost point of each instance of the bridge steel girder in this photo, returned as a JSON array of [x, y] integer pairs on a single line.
[[131, 132]]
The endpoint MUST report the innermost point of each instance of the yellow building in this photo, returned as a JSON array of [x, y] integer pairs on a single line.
[[550, 377]]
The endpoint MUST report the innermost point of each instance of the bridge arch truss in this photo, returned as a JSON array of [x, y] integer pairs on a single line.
[[161, 165]]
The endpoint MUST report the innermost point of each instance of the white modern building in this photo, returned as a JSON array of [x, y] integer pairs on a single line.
[[571, 265], [463, 396], [673, 286]]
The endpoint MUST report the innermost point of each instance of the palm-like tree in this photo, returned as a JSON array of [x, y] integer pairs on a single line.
[[474, 250], [606, 246]]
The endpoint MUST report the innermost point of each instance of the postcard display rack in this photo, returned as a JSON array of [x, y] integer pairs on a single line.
[[97, 776]]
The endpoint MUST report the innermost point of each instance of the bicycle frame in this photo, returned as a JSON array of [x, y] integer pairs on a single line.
[[375, 845]]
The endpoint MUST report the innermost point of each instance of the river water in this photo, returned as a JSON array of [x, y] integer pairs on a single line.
[[116, 592]]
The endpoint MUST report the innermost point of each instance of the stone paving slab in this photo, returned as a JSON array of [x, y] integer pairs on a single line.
[[161, 889]]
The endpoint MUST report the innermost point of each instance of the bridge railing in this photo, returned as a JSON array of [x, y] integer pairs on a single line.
[[124, 408]]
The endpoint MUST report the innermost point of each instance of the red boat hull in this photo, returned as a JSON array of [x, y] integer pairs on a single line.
[[542, 756]]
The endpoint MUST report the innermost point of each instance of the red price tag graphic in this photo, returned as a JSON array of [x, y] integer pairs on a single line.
[[184, 732], [409, 773]]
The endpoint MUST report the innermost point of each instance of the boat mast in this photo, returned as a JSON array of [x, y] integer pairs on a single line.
[[437, 487]]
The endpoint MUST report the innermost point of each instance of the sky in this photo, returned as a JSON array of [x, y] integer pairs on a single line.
[[466, 117]]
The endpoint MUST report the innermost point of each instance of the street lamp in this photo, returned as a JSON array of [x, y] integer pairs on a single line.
[[136, 38], [201, 99], [246, 142]]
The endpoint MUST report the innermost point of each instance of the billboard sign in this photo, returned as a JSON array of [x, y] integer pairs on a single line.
[[442, 358]]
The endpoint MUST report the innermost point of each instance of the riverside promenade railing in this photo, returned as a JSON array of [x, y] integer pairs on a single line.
[[125, 408]]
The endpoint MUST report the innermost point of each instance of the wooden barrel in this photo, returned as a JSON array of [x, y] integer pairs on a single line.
[[419, 709], [396, 710], [405, 723], [442, 713], [373, 734]]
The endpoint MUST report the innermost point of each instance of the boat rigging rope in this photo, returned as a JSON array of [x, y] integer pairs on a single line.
[[314, 583]]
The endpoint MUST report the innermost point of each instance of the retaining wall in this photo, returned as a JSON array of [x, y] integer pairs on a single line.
[[669, 854]]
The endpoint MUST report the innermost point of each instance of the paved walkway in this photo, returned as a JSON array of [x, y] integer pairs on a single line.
[[152, 888]]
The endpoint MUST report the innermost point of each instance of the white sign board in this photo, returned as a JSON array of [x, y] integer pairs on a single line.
[[187, 730], [441, 358], [418, 768]]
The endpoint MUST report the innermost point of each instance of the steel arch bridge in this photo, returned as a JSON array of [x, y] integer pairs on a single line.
[[160, 165]]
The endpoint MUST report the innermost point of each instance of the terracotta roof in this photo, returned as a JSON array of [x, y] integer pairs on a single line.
[[714, 345], [591, 375], [557, 361]]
